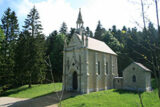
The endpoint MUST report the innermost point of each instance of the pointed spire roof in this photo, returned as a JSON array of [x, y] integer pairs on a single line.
[[79, 20]]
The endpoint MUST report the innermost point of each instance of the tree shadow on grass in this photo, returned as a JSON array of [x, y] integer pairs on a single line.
[[43, 101], [7, 93], [120, 91]]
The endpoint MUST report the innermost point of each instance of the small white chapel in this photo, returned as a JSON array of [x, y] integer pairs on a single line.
[[88, 64]]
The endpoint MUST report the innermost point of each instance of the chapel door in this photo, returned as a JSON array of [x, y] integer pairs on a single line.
[[75, 81]]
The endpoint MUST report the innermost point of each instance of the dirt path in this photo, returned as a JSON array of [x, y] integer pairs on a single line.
[[43, 101], [7, 101]]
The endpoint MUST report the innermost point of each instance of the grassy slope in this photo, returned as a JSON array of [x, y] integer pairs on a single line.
[[113, 98], [35, 91]]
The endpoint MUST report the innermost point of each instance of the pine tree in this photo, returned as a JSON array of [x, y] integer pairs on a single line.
[[11, 30], [32, 23], [55, 43], [2, 37], [10, 25], [34, 48], [63, 29], [99, 31], [89, 32], [69, 36], [112, 42], [21, 59], [50, 41]]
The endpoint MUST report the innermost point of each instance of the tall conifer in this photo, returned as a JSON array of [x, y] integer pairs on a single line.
[[10, 28], [34, 46]]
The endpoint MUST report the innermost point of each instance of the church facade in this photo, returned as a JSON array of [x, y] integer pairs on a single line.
[[88, 64]]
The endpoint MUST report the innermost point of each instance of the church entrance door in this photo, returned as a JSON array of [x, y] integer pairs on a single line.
[[75, 81]]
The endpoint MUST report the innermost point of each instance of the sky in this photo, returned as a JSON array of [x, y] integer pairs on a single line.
[[54, 12]]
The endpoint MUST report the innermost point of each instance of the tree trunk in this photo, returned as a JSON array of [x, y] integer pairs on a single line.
[[159, 92], [29, 85], [143, 14], [157, 16], [158, 45], [156, 78], [139, 94], [159, 87]]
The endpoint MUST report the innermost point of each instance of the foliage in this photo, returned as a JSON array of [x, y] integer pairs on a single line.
[[2, 37], [33, 50], [63, 29], [10, 28], [36, 90], [112, 42], [99, 31], [55, 43], [69, 36], [32, 23], [123, 62], [10, 25], [22, 51], [89, 33], [30, 54]]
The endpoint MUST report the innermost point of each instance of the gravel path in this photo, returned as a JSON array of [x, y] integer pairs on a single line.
[[43, 101], [8, 101]]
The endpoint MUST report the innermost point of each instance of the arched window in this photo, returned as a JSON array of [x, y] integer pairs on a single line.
[[134, 78], [99, 67]]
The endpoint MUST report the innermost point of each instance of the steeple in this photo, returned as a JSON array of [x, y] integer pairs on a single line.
[[80, 28], [79, 20]]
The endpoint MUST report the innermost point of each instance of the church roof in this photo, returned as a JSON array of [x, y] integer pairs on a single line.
[[97, 45]]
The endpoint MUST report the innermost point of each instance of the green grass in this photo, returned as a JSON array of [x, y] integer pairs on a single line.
[[34, 91], [107, 98], [113, 98]]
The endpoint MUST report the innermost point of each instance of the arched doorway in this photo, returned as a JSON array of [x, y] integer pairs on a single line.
[[75, 81]]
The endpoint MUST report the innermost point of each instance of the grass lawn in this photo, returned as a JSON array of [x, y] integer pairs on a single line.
[[34, 91], [113, 98]]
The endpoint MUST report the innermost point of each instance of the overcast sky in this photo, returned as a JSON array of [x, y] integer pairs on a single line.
[[54, 12]]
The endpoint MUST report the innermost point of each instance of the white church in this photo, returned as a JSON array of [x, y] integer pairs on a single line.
[[89, 64]]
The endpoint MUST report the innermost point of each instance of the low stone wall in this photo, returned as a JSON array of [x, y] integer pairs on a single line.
[[138, 89]]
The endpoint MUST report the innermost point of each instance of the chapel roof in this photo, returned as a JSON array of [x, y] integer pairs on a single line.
[[139, 65], [142, 66], [97, 45]]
